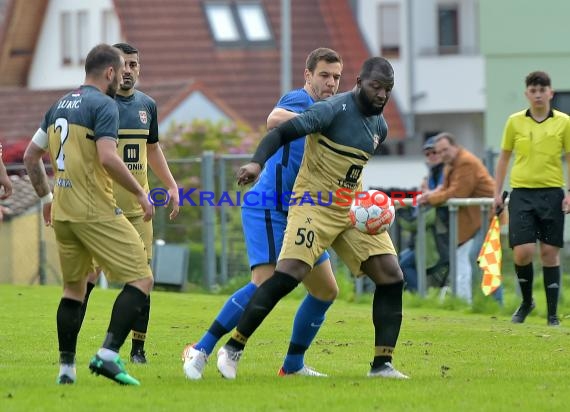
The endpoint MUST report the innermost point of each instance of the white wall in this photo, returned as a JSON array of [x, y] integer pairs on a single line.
[[468, 128], [196, 106], [440, 83], [46, 70], [394, 171], [449, 84]]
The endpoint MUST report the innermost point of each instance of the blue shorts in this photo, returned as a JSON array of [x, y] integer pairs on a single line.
[[263, 230]]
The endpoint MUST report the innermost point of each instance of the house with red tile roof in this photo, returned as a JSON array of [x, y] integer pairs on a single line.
[[200, 59]]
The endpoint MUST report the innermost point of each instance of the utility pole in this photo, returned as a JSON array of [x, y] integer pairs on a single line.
[[286, 83]]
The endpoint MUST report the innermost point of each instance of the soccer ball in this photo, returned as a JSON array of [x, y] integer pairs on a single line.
[[372, 212]]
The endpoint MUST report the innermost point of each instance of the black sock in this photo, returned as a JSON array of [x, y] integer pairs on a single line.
[[551, 277], [126, 309], [387, 320], [262, 302], [525, 275], [68, 324], [140, 327], [217, 330], [90, 287]]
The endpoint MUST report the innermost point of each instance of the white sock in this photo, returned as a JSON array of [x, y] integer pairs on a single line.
[[69, 370], [107, 354]]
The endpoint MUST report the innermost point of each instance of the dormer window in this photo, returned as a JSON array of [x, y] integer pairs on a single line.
[[238, 24]]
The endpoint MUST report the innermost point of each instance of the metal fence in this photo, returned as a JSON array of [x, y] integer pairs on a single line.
[[453, 206], [211, 227], [215, 229]]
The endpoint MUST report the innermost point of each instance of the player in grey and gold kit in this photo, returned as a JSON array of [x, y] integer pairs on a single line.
[[138, 147], [343, 132], [80, 133]]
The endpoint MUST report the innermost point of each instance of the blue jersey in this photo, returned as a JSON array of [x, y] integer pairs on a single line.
[[281, 169]]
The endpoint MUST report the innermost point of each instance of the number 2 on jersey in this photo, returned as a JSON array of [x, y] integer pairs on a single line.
[[63, 126]]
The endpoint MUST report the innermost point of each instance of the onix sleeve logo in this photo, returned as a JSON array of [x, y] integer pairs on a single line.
[[131, 153], [353, 174]]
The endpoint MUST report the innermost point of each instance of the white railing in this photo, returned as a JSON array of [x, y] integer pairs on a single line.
[[453, 206]]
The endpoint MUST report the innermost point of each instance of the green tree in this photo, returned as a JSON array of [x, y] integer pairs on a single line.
[[183, 146]]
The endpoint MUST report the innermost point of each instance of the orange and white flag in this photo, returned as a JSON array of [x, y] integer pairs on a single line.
[[490, 258]]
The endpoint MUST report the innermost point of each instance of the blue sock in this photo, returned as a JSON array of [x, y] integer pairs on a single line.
[[308, 320], [227, 318]]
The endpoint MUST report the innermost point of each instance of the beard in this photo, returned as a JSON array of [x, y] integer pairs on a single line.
[[127, 84], [369, 107], [112, 88]]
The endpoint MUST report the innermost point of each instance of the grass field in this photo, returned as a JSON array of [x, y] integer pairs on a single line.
[[458, 361]]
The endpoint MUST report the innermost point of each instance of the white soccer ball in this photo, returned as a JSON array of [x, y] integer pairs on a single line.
[[372, 212]]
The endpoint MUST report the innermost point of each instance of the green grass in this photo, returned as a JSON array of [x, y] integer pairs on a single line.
[[458, 360]]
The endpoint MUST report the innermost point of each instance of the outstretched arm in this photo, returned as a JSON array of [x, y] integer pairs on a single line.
[[279, 116], [37, 173], [113, 164], [461, 184], [159, 166], [281, 135]]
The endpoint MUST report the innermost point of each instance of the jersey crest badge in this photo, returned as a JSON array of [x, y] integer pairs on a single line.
[[143, 116], [376, 140]]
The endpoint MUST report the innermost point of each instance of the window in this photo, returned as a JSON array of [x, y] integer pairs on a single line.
[[238, 24], [561, 102], [253, 22], [65, 32], [448, 28], [222, 22], [389, 30], [82, 35], [76, 41], [110, 30]]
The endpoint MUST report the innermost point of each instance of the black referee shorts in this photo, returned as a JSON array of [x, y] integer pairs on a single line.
[[536, 214]]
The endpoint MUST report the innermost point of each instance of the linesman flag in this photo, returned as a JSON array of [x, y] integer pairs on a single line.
[[491, 255], [490, 258]]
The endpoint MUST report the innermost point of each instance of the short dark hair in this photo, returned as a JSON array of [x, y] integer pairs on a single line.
[[376, 63], [126, 48], [537, 78], [446, 136], [100, 57], [322, 53]]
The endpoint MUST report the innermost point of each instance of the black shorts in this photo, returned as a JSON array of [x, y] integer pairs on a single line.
[[536, 214]]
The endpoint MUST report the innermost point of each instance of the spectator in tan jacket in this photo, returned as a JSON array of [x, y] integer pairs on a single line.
[[464, 176]]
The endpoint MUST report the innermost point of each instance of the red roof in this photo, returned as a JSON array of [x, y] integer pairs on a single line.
[[175, 42], [179, 56]]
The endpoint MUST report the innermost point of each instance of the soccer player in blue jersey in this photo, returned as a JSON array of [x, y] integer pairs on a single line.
[[343, 131], [138, 147], [80, 133], [264, 225]]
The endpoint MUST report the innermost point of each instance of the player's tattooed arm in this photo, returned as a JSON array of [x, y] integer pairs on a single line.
[[36, 170]]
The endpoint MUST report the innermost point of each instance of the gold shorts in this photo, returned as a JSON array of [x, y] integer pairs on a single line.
[[146, 233], [312, 229], [114, 244]]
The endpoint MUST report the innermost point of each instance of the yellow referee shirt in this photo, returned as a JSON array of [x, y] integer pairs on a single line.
[[538, 149]]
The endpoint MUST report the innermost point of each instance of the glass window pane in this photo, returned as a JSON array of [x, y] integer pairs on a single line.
[[65, 34], [448, 30], [82, 35], [253, 22], [222, 22], [390, 29], [111, 33], [561, 101]]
